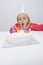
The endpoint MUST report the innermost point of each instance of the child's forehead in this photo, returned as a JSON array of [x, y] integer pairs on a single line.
[[22, 15]]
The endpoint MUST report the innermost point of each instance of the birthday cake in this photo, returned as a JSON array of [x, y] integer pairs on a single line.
[[19, 37]]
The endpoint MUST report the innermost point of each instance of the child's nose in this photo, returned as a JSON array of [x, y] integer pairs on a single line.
[[22, 20]]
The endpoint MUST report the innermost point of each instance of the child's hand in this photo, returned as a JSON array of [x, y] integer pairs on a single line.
[[26, 29], [12, 30]]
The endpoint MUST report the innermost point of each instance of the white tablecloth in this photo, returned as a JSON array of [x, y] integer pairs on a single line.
[[22, 55]]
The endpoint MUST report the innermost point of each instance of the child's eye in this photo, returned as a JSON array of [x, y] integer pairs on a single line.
[[24, 18]]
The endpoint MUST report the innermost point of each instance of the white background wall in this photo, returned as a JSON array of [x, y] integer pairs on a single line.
[[10, 8]]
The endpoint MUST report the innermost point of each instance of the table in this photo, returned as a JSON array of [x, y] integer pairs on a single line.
[[24, 55]]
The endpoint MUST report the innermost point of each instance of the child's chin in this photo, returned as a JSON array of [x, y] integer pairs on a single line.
[[22, 26]]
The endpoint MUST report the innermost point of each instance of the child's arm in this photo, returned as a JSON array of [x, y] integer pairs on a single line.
[[14, 28], [36, 27]]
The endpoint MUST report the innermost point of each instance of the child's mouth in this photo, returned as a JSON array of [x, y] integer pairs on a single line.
[[22, 23]]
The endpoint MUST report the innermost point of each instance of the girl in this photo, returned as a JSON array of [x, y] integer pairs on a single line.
[[23, 23]]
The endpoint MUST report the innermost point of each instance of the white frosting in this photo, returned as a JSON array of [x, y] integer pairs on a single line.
[[18, 37], [19, 34]]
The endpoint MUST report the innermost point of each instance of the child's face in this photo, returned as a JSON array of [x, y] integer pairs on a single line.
[[23, 20]]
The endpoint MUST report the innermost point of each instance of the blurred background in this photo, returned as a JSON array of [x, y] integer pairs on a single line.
[[10, 8]]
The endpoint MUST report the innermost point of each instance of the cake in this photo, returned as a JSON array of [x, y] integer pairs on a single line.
[[19, 37]]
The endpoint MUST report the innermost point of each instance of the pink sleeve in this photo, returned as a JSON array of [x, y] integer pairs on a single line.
[[13, 29], [36, 27]]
